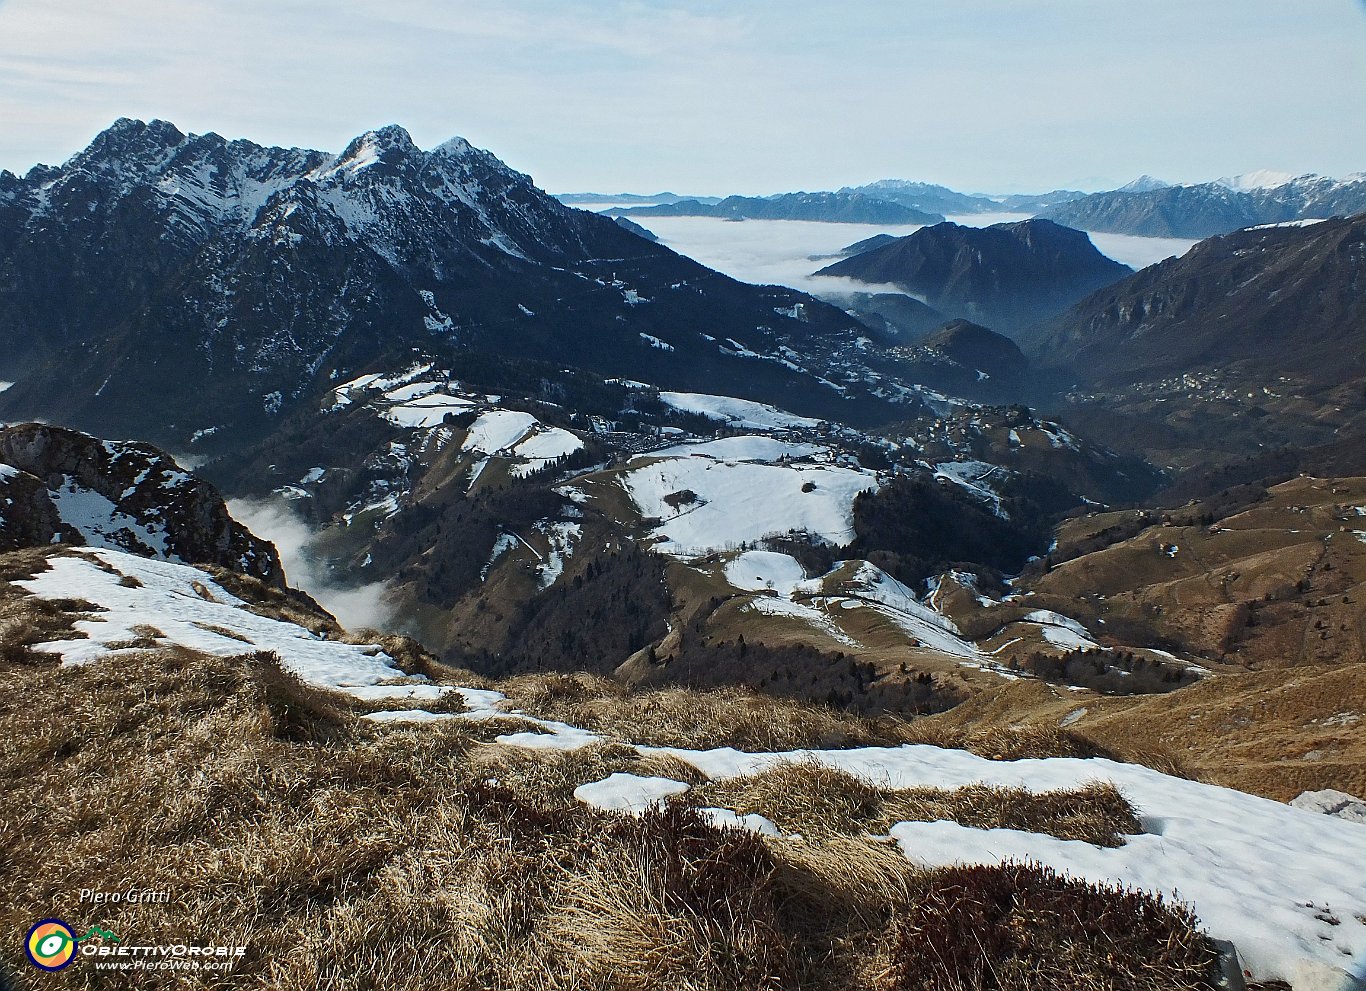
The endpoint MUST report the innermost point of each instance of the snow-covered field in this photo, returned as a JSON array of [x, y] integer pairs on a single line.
[[850, 586], [420, 397], [498, 430], [742, 448], [175, 604], [738, 502], [740, 413], [1286, 886]]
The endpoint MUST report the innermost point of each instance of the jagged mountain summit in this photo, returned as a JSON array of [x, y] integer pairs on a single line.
[[164, 285], [1006, 276]]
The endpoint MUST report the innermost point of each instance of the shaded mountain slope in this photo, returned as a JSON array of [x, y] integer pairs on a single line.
[[1005, 276], [1250, 341], [1280, 301]]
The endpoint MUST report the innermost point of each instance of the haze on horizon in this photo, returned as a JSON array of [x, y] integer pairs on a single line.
[[708, 97]]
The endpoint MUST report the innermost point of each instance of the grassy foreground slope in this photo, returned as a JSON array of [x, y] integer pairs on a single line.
[[349, 854], [359, 815]]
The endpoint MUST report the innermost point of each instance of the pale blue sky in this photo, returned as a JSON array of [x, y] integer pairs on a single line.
[[715, 97]]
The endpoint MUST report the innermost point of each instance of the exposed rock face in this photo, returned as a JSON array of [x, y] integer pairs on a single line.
[[28, 517], [59, 485], [1334, 803]]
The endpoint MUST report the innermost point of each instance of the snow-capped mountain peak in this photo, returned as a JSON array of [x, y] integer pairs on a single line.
[[381, 188], [386, 145], [1144, 184]]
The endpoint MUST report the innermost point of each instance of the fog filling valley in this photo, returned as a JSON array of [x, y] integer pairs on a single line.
[[787, 252], [355, 606]]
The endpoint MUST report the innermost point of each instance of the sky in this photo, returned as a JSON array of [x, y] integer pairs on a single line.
[[719, 96]]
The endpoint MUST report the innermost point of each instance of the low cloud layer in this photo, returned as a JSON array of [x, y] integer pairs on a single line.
[[787, 252], [355, 606]]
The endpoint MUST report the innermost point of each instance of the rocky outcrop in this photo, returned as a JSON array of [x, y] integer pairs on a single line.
[[1334, 803], [59, 485], [28, 517]]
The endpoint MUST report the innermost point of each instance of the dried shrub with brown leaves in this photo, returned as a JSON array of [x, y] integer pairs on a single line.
[[1025, 927]]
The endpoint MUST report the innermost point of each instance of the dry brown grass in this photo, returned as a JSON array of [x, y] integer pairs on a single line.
[[550, 777], [682, 717], [1010, 742], [816, 800], [25, 620], [746, 720], [350, 855]]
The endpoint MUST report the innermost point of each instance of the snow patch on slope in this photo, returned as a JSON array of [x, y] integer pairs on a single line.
[[735, 503], [175, 604], [738, 412], [1257, 872]]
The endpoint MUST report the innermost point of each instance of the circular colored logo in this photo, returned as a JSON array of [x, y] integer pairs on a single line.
[[51, 945]]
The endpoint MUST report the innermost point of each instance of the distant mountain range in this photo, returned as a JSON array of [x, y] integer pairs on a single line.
[[840, 208], [941, 199], [1006, 276], [1145, 207], [1154, 209], [645, 199]]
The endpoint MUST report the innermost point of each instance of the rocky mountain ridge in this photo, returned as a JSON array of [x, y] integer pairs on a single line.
[[61, 486], [174, 286]]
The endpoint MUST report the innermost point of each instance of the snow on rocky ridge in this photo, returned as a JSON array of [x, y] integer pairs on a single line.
[[64, 486], [1281, 883], [205, 184]]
